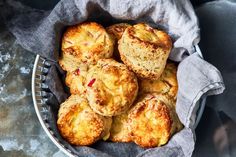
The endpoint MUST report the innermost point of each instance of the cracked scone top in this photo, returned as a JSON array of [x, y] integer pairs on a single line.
[[145, 50], [111, 87], [153, 120], [84, 44], [73, 118]]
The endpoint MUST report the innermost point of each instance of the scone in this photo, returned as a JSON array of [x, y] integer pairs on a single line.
[[153, 120], [79, 125], [166, 84], [145, 50], [111, 87], [69, 62], [76, 80], [84, 44], [116, 31], [120, 131]]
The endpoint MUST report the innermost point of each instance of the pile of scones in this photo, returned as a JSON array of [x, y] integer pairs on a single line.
[[123, 88]]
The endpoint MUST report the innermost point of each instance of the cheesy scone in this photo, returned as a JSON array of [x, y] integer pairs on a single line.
[[116, 31], [79, 124], [76, 80], [85, 43], [111, 87], [153, 120], [120, 131], [69, 62], [145, 50], [166, 84]]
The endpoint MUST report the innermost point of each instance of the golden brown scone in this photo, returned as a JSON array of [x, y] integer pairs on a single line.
[[85, 43], [145, 50], [76, 80], [116, 31], [120, 131], [69, 62], [153, 120], [79, 125], [166, 84], [111, 87]]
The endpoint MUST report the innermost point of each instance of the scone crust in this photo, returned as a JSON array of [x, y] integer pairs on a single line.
[[69, 62], [76, 80], [87, 42], [120, 131], [166, 84], [145, 50], [151, 121], [116, 31], [73, 118], [111, 87]]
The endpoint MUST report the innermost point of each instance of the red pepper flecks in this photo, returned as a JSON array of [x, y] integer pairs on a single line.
[[152, 97], [90, 84], [77, 72]]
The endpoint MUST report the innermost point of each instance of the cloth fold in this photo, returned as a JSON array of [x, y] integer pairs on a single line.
[[196, 77]]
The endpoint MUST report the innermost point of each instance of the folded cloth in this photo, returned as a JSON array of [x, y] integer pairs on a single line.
[[190, 71], [195, 76], [176, 17]]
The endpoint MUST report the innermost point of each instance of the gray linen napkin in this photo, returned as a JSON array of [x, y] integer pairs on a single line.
[[196, 77]]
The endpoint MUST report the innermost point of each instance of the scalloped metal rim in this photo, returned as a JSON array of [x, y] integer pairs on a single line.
[[50, 133], [42, 122]]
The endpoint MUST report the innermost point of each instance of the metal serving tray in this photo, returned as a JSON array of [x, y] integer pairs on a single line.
[[39, 92]]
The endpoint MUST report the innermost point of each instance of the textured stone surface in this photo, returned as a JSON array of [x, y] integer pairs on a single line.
[[20, 132]]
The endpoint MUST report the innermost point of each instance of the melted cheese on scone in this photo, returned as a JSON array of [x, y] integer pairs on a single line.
[[76, 80], [166, 84], [111, 87], [153, 120], [87, 42], [120, 131], [78, 124]]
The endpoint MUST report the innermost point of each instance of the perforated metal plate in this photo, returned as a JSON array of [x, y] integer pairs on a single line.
[[39, 93]]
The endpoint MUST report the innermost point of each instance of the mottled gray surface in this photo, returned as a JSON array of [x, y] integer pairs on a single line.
[[20, 132]]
